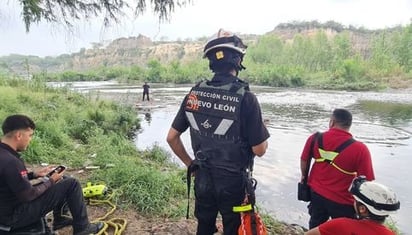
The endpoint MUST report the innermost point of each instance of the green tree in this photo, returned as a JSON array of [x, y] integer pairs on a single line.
[[342, 48], [382, 58], [404, 48], [155, 70], [67, 12], [351, 69], [322, 54], [300, 52], [136, 73], [266, 50]]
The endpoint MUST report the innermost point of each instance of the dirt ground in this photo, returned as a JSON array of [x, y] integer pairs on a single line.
[[139, 225]]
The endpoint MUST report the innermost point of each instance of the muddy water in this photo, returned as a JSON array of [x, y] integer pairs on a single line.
[[382, 120]]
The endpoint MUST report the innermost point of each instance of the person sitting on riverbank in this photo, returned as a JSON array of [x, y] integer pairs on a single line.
[[23, 204], [373, 203]]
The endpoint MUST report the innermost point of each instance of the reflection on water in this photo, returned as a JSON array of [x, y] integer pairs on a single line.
[[282, 115], [387, 112], [381, 120], [148, 117]]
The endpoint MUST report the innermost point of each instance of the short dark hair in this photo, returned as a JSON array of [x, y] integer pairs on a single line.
[[342, 117], [17, 122]]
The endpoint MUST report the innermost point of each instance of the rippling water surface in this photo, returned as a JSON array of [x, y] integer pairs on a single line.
[[382, 120]]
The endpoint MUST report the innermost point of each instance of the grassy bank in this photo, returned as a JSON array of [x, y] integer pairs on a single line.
[[77, 130], [80, 130]]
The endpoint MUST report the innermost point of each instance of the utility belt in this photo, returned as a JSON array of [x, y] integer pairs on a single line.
[[251, 183]]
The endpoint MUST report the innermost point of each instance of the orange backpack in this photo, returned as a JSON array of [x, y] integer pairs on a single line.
[[251, 224], [250, 221]]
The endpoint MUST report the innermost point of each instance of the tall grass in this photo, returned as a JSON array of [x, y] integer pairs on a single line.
[[77, 130]]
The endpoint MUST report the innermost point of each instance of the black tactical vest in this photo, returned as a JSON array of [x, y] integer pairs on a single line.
[[214, 116]]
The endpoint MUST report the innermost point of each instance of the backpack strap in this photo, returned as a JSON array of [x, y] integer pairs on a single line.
[[330, 156], [344, 145], [311, 155]]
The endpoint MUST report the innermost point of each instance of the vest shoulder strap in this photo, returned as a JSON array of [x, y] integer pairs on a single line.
[[330, 156], [237, 86], [344, 145], [340, 148], [200, 82]]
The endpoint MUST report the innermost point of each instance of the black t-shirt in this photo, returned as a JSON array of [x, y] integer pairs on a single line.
[[146, 88], [14, 178], [253, 131]]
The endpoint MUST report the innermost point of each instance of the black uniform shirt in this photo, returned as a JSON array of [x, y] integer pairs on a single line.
[[253, 131], [13, 179]]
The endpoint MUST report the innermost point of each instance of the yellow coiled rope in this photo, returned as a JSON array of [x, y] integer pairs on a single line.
[[118, 225]]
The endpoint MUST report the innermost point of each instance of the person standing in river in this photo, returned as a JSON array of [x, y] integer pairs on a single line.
[[227, 132], [338, 159], [146, 91]]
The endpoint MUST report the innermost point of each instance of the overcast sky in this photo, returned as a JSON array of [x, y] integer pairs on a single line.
[[201, 18]]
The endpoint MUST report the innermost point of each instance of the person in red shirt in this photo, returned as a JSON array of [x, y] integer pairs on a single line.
[[373, 203], [338, 159]]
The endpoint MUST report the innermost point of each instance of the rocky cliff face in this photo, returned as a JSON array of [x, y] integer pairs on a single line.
[[139, 50], [360, 39], [134, 51]]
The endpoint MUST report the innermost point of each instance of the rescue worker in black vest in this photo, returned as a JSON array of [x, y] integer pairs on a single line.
[[227, 132]]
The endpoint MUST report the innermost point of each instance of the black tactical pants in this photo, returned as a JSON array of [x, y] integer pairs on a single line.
[[67, 190], [147, 96], [217, 191], [321, 209]]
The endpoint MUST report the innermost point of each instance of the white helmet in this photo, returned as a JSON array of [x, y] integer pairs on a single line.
[[224, 39], [379, 199]]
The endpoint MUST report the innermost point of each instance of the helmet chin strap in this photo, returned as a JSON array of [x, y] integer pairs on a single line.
[[359, 216], [240, 66]]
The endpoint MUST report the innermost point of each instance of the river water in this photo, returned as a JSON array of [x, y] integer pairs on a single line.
[[382, 120]]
